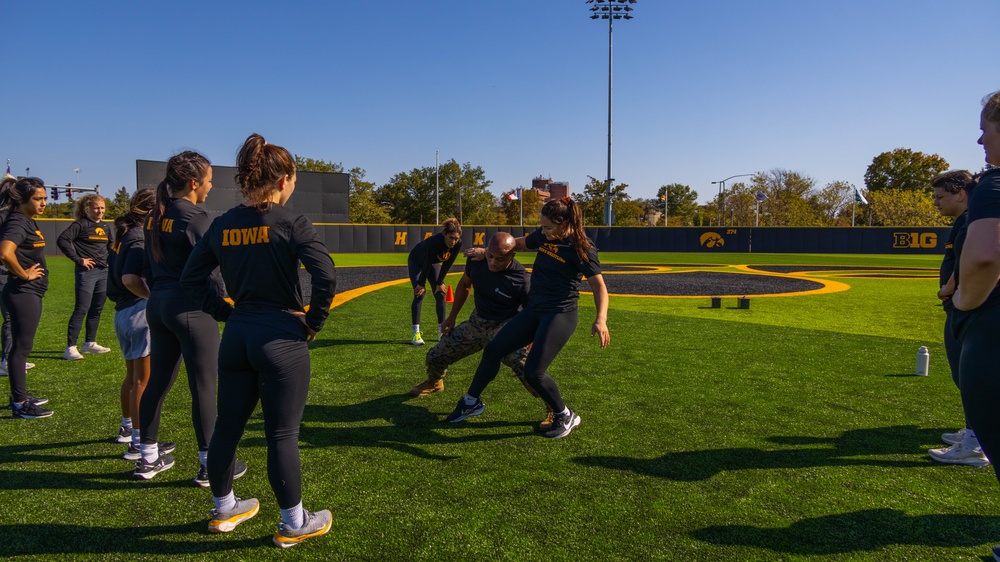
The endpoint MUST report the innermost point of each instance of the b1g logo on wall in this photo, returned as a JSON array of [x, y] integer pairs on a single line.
[[914, 240], [713, 239]]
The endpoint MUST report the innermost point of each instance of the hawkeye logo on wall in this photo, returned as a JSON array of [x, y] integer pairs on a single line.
[[711, 240], [914, 240]]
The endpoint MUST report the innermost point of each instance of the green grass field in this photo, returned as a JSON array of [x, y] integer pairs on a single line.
[[791, 431]]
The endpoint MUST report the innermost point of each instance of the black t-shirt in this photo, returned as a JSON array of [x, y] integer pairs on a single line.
[[948, 264], [182, 225], [259, 255], [984, 204], [126, 257], [556, 272], [500, 294], [432, 250], [85, 238], [27, 237]]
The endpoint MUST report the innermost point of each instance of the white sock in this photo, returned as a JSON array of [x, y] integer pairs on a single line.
[[127, 423], [135, 436], [293, 516], [970, 441], [416, 328], [203, 458], [225, 503], [149, 452], [565, 412], [469, 399]]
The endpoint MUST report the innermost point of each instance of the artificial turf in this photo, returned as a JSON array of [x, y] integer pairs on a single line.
[[790, 431]]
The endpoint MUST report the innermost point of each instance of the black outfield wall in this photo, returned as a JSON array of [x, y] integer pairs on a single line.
[[349, 238]]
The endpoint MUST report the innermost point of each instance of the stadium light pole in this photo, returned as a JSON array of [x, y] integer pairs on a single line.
[[722, 189], [437, 189], [610, 10], [77, 170]]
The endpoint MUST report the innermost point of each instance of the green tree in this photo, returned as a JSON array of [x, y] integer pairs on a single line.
[[409, 197], [832, 205], [511, 209], [786, 203], [362, 205], [904, 169], [116, 206], [626, 211], [682, 203], [900, 207]]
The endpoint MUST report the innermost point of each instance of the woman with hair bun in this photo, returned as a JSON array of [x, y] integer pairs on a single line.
[[22, 251], [264, 356], [565, 256], [85, 241], [177, 326]]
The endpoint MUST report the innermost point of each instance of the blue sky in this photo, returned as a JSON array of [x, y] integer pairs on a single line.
[[702, 90]]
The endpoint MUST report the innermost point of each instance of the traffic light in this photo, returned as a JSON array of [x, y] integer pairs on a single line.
[[55, 193]]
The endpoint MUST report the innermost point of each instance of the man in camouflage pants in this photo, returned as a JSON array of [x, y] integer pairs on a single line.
[[500, 287]]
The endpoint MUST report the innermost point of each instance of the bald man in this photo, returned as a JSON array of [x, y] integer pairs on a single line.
[[500, 286]]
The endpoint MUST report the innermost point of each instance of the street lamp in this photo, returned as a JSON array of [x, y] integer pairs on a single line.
[[722, 189], [77, 170], [610, 10]]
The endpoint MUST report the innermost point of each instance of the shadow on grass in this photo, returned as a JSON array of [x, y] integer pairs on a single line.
[[409, 427], [858, 447], [330, 343], [15, 479], [865, 530], [40, 539]]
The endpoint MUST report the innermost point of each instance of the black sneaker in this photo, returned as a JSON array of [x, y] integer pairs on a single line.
[[239, 469], [29, 411], [146, 471], [132, 453], [996, 553], [463, 411], [37, 401], [124, 435], [563, 425], [165, 447]]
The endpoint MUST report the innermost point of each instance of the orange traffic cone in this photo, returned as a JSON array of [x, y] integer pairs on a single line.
[[449, 297]]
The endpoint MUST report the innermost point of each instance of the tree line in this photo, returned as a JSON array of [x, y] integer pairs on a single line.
[[897, 191]]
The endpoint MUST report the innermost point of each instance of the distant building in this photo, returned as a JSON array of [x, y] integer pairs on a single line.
[[548, 189]]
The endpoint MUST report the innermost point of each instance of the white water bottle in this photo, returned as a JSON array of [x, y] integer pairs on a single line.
[[923, 361]]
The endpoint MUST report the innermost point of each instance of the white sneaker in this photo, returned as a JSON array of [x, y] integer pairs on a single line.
[[72, 354], [93, 347], [952, 438], [960, 454], [26, 366]]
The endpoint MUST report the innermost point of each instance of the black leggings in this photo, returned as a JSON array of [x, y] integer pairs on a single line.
[[952, 349], [417, 279], [271, 366], [547, 332], [5, 329], [91, 292], [176, 330], [25, 311], [979, 375]]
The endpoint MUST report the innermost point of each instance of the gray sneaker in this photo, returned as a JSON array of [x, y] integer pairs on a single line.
[[146, 471], [225, 521], [314, 525]]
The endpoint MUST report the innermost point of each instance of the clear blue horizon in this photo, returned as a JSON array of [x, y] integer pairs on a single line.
[[702, 91]]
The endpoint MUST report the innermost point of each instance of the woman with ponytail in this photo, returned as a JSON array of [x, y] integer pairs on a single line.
[[264, 356], [565, 256], [22, 251], [128, 290], [177, 326]]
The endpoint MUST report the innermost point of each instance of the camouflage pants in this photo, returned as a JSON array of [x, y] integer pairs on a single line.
[[467, 338]]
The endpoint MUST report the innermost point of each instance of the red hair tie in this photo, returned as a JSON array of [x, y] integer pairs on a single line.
[[567, 200]]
